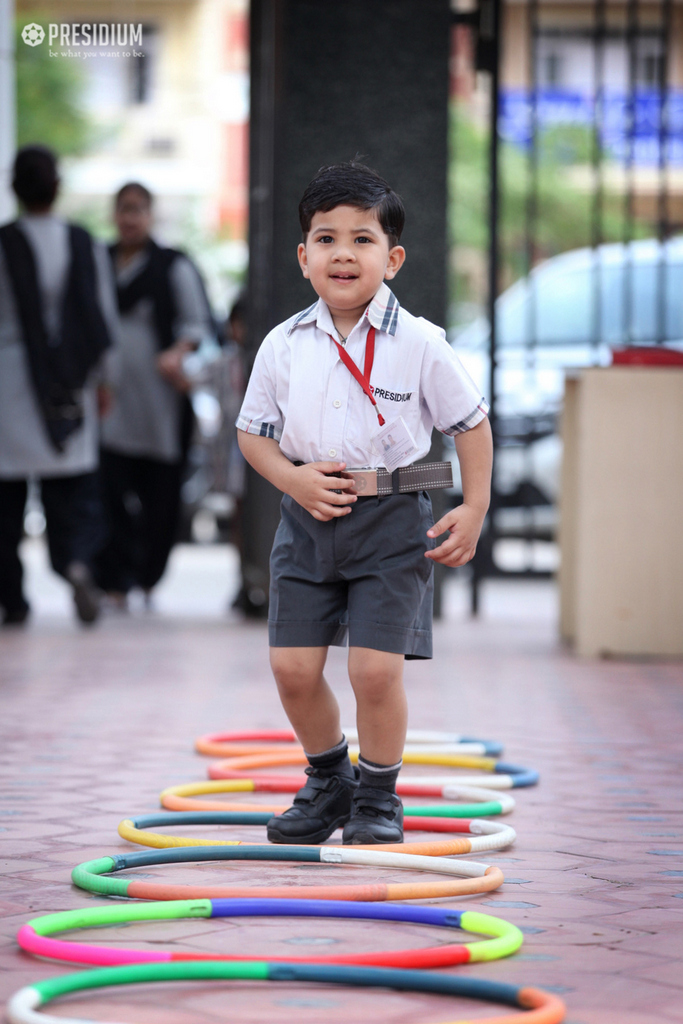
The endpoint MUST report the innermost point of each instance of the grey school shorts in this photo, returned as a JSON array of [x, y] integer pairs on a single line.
[[360, 579]]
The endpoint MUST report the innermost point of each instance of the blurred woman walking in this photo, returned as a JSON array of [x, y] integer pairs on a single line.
[[57, 319], [164, 314]]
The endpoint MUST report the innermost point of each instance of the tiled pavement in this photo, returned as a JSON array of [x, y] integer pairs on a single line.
[[95, 723]]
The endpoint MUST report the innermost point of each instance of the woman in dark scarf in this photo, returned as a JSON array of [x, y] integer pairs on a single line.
[[164, 315]]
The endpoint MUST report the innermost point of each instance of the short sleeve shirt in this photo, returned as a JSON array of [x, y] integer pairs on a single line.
[[301, 394]]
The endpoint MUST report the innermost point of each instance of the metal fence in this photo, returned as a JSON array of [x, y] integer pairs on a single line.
[[599, 115]]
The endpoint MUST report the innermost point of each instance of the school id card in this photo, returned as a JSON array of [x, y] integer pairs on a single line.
[[394, 443]]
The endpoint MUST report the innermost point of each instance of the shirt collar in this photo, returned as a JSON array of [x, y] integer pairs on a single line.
[[382, 312]]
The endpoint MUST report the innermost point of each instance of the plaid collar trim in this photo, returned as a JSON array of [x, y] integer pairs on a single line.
[[382, 312], [308, 315]]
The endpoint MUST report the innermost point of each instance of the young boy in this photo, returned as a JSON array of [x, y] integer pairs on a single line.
[[328, 387]]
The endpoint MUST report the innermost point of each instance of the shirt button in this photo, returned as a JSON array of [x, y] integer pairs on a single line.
[[332, 452], [336, 403]]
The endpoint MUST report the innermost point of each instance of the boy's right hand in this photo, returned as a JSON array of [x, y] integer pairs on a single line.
[[313, 489]]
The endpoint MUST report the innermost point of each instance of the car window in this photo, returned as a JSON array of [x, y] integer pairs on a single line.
[[553, 306], [557, 305]]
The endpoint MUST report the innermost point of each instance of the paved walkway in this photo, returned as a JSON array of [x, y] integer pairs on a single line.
[[95, 723]]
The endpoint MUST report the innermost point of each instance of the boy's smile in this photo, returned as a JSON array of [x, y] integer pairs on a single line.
[[346, 256]]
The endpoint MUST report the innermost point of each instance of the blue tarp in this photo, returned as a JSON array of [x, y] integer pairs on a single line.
[[564, 107]]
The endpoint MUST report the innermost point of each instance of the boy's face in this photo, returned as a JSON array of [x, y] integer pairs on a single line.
[[346, 257]]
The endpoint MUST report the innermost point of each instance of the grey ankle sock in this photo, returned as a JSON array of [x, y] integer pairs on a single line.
[[334, 761], [378, 776]]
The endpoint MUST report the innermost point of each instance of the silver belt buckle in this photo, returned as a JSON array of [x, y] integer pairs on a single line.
[[364, 481]]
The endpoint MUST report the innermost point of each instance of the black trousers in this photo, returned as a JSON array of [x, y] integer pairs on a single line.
[[142, 504], [74, 523]]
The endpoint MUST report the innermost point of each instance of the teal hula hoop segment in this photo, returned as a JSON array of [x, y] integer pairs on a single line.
[[505, 938], [479, 835], [475, 877], [544, 1007], [502, 776]]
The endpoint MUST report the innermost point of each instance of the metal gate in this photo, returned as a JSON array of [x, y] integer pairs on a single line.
[[583, 132]]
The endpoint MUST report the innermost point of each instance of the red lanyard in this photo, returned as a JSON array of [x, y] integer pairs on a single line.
[[362, 378]]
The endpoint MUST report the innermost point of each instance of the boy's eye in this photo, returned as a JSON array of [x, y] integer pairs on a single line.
[[363, 238], [326, 238]]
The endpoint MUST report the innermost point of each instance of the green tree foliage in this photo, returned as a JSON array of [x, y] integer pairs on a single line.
[[49, 90], [561, 212]]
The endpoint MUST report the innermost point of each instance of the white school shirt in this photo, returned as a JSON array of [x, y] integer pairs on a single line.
[[301, 394]]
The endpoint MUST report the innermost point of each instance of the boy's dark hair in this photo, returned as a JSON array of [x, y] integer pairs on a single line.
[[35, 179], [353, 184], [133, 186]]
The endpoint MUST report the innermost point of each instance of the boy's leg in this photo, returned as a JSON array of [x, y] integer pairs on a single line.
[[324, 803], [382, 709], [308, 701], [382, 717]]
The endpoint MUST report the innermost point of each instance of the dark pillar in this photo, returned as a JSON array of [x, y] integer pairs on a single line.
[[329, 82]]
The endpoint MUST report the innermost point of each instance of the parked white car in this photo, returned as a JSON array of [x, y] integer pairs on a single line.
[[546, 324]]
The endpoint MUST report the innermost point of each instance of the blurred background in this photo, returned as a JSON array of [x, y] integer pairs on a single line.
[[174, 116], [538, 145]]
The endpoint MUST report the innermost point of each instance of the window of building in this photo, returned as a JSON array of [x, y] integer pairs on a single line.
[[141, 70], [553, 69], [649, 66]]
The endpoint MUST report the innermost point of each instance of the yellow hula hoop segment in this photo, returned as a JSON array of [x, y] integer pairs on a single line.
[[485, 835], [235, 744], [283, 758], [185, 797]]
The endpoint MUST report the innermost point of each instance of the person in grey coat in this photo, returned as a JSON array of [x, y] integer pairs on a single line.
[[57, 320]]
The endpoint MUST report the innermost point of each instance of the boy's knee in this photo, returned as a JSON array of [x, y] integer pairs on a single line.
[[372, 683], [293, 674]]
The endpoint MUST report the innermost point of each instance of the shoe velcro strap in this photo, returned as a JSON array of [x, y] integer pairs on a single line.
[[310, 792], [377, 800], [316, 785]]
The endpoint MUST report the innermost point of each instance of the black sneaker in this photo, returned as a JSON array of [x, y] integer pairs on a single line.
[[376, 817], [320, 807]]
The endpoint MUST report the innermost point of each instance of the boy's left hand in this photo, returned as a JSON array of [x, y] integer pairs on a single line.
[[464, 524]]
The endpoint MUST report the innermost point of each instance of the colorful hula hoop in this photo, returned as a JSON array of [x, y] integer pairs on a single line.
[[485, 835], [274, 758], [234, 744], [539, 1007], [502, 775], [477, 878], [184, 798], [506, 938]]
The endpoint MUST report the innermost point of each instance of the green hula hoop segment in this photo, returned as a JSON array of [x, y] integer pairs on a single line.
[[537, 1007], [475, 877], [477, 835], [184, 797], [503, 938]]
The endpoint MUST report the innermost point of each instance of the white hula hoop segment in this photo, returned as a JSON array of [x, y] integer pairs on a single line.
[[21, 1009], [454, 791], [407, 861]]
